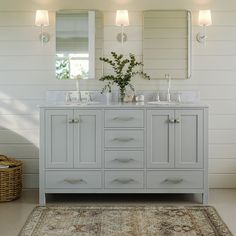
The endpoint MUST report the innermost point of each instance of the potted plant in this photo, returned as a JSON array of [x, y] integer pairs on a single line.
[[124, 69]]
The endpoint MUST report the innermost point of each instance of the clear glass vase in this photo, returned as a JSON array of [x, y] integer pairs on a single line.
[[121, 95]]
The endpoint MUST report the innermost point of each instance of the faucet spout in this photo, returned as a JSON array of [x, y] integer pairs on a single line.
[[169, 86]]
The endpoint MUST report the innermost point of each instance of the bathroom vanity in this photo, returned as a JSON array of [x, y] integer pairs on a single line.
[[124, 148]]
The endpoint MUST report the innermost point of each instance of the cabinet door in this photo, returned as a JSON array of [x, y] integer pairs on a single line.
[[189, 139], [59, 139], [87, 139], [160, 138]]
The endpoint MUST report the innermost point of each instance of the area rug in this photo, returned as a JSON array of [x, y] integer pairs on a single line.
[[124, 221]]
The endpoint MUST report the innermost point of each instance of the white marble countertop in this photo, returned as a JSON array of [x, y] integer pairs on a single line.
[[189, 99], [124, 105]]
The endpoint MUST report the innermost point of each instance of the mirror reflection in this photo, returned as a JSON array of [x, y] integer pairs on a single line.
[[75, 44], [167, 44]]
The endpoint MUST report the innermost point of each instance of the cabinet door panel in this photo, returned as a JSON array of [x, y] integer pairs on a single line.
[[59, 139], [160, 139], [189, 139], [87, 142]]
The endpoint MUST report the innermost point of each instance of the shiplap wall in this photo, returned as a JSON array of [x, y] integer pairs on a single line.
[[27, 72]]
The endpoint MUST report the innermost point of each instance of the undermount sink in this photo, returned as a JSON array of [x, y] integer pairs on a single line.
[[92, 103], [162, 103], [83, 103]]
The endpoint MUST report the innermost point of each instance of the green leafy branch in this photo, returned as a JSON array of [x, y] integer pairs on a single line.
[[124, 69]]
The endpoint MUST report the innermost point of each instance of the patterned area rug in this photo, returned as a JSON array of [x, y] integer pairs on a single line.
[[124, 221]]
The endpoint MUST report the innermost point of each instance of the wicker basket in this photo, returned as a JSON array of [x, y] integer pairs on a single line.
[[10, 179]]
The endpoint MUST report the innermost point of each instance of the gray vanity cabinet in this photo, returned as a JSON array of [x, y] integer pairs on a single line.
[[73, 138], [160, 139], [59, 140], [123, 149], [175, 138], [189, 139], [87, 139]]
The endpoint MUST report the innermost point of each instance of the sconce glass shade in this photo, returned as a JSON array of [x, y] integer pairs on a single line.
[[122, 18], [204, 18], [41, 18]]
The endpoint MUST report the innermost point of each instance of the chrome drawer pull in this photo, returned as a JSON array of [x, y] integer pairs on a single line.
[[123, 139], [123, 118], [177, 120], [72, 121], [124, 160], [172, 121], [74, 181], [76, 120], [173, 181], [123, 180]]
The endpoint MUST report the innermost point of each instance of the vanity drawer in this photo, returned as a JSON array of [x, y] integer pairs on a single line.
[[174, 179], [73, 179], [123, 159], [124, 118], [124, 179], [123, 138]]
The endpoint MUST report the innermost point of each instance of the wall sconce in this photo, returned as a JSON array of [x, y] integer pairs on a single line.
[[42, 20], [204, 19], [122, 19]]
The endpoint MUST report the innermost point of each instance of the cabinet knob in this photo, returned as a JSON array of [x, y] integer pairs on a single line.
[[171, 121], [71, 121]]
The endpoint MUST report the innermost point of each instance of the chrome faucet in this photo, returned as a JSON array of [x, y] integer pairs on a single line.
[[88, 97], [167, 76]]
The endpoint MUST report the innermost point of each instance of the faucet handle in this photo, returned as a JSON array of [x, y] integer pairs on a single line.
[[156, 97], [178, 97]]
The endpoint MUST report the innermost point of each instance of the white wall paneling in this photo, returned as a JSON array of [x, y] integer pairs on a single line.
[[27, 72]]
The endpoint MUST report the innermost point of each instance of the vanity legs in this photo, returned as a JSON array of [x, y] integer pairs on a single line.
[[205, 198], [42, 199]]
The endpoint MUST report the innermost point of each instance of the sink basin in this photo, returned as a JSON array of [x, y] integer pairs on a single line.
[[83, 103], [161, 103], [92, 103]]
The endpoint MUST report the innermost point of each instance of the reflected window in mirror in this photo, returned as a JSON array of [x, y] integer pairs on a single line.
[[75, 45]]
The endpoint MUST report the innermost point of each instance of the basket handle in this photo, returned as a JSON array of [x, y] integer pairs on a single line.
[[5, 158]]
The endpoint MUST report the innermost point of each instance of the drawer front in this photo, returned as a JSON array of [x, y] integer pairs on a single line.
[[124, 118], [123, 138], [123, 159], [124, 179], [175, 179], [73, 179]]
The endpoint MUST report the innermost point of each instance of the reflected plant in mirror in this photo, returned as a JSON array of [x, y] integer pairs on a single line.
[[62, 68], [124, 69]]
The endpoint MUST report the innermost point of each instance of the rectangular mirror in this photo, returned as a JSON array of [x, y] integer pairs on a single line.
[[76, 43], [167, 44]]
